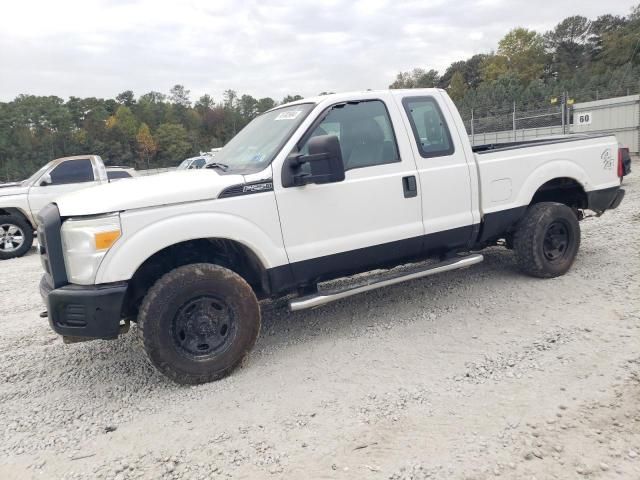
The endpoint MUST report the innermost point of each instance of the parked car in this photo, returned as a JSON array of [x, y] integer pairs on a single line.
[[20, 202], [115, 173], [310, 191], [194, 163], [204, 160]]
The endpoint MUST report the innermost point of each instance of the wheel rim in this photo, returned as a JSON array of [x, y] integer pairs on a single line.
[[11, 237], [203, 327], [556, 241]]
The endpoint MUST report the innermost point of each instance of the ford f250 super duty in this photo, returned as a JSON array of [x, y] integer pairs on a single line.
[[20, 202], [310, 191]]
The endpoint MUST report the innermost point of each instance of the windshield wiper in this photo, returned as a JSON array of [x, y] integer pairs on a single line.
[[221, 166]]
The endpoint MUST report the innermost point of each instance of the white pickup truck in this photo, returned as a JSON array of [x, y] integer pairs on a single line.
[[310, 191], [20, 202]]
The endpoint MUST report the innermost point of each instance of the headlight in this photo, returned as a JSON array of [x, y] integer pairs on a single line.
[[85, 242]]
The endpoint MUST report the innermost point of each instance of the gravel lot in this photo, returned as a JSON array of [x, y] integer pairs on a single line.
[[471, 374]]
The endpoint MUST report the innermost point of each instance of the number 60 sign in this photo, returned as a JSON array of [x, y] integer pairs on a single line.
[[582, 118]]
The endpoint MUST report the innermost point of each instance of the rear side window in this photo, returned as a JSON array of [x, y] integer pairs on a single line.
[[115, 174], [429, 127], [72, 171]]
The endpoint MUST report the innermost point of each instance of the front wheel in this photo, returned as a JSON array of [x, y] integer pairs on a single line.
[[16, 236], [547, 240], [198, 322]]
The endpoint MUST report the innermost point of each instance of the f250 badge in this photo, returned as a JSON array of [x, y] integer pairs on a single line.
[[607, 160], [257, 187]]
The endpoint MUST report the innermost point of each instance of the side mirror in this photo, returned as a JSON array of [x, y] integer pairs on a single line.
[[46, 180], [324, 163]]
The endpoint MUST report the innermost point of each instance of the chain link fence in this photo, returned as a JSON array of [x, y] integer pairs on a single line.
[[547, 116]]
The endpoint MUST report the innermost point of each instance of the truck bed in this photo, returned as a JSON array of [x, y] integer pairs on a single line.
[[489, 147], [510, 174]]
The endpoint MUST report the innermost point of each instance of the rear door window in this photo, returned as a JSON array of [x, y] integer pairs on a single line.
[[116, 174], [429, 126]]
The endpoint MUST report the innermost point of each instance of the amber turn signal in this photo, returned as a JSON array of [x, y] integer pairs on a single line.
[[105, 240]]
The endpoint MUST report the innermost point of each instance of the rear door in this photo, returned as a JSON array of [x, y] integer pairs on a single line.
[[374, 215], [67, 176], [443, 170]]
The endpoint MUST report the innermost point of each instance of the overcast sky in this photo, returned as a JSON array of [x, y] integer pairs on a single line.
[[263, 48]]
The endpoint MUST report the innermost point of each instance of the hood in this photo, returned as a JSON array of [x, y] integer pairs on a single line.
[[142, 192], [16, 188], [10, 184]]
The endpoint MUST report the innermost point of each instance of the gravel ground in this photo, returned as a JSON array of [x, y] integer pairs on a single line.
[[471, 374]]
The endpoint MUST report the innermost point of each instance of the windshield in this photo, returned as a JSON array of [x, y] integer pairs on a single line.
[[198, 163], [254, 147], [184, 164]]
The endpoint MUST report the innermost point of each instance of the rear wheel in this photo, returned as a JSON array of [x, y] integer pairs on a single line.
[[198, 322], [16, 236], [547, 240]]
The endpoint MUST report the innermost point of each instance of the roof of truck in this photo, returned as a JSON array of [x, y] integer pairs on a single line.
[[336, 97]]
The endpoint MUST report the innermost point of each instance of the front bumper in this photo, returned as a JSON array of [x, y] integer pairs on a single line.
[[84, 311]]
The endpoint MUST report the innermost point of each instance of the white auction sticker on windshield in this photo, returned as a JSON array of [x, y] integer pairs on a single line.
[[290, 115]]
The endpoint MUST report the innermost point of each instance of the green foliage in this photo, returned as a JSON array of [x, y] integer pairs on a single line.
[[180, 96], [418, 78], [291, 98], [265, 104], [173, 143], [126, 98], [458, 87], [520, 53], [146, 146]]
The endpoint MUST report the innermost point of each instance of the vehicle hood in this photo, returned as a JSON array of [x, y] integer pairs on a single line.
[[143, 192], [16, 188]]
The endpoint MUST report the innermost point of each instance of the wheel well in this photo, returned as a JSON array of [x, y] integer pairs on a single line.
[[17, 212], [562, 190], [227, 253]]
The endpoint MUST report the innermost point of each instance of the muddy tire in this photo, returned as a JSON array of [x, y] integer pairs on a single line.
[[198, 323], [16, 236], [547, 240]]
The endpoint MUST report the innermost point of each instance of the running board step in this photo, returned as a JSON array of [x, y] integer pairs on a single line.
[[322, 298]]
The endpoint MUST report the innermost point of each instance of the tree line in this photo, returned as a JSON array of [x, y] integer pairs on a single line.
[[154, 130], [581, 56], [585, 58]]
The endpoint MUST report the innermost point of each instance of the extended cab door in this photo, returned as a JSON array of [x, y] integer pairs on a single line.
[[67, 176], [446, 174], [373, 216]]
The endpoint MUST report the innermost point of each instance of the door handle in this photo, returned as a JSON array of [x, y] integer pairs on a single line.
[[410, 186]]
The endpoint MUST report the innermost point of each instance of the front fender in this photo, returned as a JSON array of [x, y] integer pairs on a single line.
[[131, 250]]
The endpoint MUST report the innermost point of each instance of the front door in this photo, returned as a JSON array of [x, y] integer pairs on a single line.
[[371, 218]]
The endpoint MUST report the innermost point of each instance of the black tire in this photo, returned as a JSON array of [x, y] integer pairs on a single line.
[[10, 247], [198, 323], [547, 240]]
